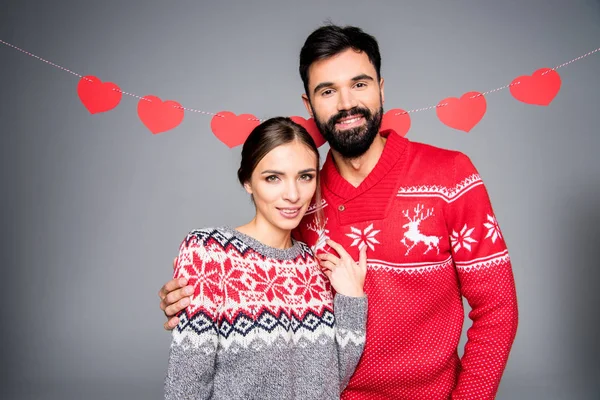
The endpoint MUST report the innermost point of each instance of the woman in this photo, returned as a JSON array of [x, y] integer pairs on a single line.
[[263, 322]]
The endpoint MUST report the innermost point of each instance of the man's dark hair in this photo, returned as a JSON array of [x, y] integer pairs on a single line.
[[329, 40]]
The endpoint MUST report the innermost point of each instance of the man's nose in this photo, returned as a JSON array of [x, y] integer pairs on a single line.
[[346, 100]]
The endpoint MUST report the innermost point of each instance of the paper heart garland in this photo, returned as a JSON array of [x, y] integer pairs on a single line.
[[311, 128], [159, 116], [396, 119], [233, 129], [539, 89], [97, 96], [464, 113]]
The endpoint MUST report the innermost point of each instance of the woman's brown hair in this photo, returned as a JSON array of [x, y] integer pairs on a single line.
[[270, 134]]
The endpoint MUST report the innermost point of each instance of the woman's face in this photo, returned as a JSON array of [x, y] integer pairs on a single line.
[[283, 184]]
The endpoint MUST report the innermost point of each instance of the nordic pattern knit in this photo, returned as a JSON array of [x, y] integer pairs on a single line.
[[432, 239], [262, 323]]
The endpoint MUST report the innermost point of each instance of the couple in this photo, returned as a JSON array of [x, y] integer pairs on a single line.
[[254, 317]]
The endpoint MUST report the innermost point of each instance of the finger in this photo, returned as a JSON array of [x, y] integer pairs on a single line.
[[362, 258], [338, 247], [175, 308], [171, 324], [170, 286], [328, 265], [175, 296], [329, 257]]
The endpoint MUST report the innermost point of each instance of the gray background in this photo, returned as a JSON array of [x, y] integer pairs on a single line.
[[94, 207]]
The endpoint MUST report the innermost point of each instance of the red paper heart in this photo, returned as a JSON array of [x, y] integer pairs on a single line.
[[311, 128], [396, 119], [158, 115], [231, 129], [464, 113], [539, 88], [97, 96]]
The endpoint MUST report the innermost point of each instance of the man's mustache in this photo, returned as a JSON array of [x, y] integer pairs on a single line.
[[364, 112]]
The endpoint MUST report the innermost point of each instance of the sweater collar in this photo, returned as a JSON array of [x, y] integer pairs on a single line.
[[392, 152]]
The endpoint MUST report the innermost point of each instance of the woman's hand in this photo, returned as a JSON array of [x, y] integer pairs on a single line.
[[346, 276]]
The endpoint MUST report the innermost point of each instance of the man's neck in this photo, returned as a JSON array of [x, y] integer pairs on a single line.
[[355, 170]]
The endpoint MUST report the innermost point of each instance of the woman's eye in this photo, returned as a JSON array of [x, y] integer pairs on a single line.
[[271, 178], [307, 177]]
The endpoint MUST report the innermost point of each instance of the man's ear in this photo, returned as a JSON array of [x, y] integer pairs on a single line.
[[382, 91], [248, 188], [307, 105]]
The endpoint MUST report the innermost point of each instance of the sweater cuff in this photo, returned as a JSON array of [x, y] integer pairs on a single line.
[[350, 312]]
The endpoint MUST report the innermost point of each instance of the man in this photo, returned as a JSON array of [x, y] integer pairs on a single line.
[[432, 235]]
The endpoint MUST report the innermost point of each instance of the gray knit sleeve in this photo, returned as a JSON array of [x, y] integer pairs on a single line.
[[192, 356], [190, 373], [350, 323]]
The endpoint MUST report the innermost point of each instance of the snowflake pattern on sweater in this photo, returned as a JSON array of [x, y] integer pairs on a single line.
[[262, 323], [433, 239]]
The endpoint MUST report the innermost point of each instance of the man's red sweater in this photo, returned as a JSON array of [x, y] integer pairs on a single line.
[[432, 238]]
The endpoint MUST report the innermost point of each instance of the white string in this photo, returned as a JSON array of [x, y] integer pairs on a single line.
[[256, 119]]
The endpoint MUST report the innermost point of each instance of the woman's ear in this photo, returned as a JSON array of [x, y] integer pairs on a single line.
[[248, 187]]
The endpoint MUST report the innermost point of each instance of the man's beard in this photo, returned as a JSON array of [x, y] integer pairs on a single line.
[[351, 143]]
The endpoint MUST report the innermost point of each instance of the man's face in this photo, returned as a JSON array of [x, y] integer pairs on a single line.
[[346, 101]]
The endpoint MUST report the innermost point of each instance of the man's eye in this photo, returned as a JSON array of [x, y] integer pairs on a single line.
[[361, 85], [326, 92]]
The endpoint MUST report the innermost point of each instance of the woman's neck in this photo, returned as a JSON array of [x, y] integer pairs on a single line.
[[266, 233]]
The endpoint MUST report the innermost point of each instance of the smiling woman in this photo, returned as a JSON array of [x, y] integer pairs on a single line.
[[279, 169], [263, 321]]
